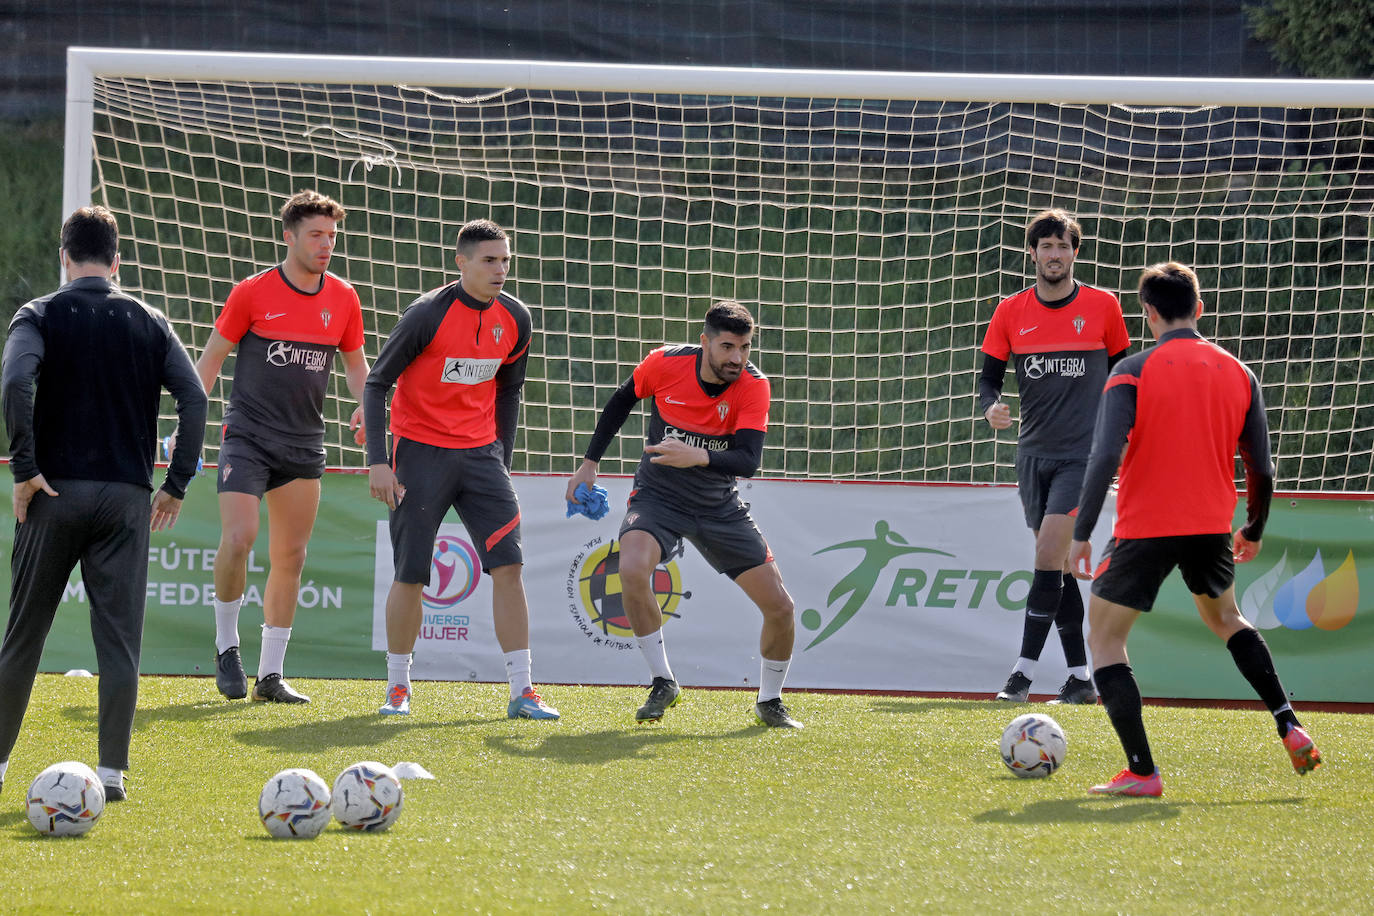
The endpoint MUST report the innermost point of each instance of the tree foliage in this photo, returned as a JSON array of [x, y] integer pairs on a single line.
[[1328, 39]]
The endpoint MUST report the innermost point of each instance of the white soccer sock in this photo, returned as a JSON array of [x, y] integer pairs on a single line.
[[4, 767], [518, 672], [656, 654], [1025, 665], [398, 668], [274, 640], [771, 675], [1081, 672], [227, 624], [110, 777]]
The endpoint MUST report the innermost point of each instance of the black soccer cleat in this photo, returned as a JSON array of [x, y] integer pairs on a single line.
[[273, 689], [1017, 689], [663, 695], [775, 715], [1076, 691], [229, 676], [114, 791]]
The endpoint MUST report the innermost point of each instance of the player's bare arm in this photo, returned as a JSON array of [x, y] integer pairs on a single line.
[[355, 374], [585, 473], [675, 453], [382, 483], [998, 416], [208, 366]]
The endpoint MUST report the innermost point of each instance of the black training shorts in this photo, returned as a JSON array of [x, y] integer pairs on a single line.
[[474, 482], [253, 466], [727, 537], [1133, 569], [1048, 486]]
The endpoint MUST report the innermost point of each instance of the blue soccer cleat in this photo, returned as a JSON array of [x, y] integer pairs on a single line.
[[530, 705]]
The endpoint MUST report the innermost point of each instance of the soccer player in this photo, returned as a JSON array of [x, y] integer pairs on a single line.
[[287, 322], [457, 359], [1179, 409], [1064, 337], [709, 413], [84, 369]]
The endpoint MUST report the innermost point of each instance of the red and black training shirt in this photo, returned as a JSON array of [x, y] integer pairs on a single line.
[[1180, 409], [1062, 351], [286, 340]]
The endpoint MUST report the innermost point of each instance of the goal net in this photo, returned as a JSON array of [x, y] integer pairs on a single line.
[[871, 221]]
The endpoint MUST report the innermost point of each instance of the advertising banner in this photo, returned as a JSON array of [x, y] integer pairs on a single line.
[[897, 587]]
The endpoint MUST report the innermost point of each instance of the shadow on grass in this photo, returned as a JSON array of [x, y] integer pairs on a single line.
[[360, 731], [1106, 810], [916, 705], [604, 746]]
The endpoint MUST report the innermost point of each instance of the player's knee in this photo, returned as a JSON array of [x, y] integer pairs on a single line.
[[289, 558], [235, 543]]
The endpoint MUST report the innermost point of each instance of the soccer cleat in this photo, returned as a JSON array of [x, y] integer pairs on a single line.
[[229, 676], [1076, 691], [273, 689], [397, 701], [775, 715], [1301, 750], [663, 695], [1017, 689], [1132, 784], [114, 789], [530, 705]]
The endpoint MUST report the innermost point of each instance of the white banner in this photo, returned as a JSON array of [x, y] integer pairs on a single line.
[[897, 587]]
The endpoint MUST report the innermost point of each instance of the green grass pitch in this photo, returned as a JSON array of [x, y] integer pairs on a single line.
[[883, 804]]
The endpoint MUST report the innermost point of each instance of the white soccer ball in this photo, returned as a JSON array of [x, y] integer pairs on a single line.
[[66, 799], [367, 796], [294, 804], [1033, 745]]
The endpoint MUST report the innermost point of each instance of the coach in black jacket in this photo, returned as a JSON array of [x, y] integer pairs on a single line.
[[83, 373]]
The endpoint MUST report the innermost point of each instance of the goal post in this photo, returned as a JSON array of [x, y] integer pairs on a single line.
[[870, 220]]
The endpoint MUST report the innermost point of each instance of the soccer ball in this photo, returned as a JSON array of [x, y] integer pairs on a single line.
[[66, 799], [294, 804], [367, 796], [1033, 745]]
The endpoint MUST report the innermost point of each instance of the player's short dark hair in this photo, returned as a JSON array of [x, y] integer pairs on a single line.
[[477, 231], [729, 316], [1055, 222], [1170, 289], [305, 204], [91, 236]]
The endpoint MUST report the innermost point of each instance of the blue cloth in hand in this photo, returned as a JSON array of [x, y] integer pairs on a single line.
[[591, 502]]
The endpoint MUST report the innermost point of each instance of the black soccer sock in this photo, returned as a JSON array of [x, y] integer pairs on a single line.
[[1252, 657], [1069, 622], [1121, 697], [1042, 603]]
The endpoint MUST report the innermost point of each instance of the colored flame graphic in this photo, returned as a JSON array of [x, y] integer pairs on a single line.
[[1306, 599]]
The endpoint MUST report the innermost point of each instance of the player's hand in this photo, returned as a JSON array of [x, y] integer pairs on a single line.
[[382, 482], [998, 416], [24, 493], [359, 428], [585, 473], [1243, 550], [675, 453], [166, 508], [1081, 560]]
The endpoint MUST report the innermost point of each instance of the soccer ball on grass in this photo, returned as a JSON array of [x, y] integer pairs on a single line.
[[1033, 745], [66, 799], [294, 804], [367, 796]]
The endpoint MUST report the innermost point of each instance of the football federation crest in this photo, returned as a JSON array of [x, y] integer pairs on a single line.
[[595, 600], [1078, 324]]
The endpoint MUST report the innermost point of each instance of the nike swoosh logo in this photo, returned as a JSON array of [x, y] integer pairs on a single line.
[[270, 315], [1029, 329], [672, 400]]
